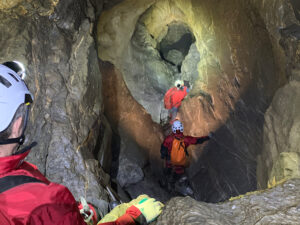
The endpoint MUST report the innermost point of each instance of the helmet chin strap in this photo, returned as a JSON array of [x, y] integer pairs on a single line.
[[20, 140]]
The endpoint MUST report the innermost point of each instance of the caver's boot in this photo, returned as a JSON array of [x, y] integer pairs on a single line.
[[182, 187], [166, 177]]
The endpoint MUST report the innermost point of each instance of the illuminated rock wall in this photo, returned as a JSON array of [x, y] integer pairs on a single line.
[[242, 62]]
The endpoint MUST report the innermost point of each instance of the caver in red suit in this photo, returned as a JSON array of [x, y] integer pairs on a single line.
[[26, 196], [174, 97]]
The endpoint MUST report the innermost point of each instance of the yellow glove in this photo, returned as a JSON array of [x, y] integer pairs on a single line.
[[150, 208]]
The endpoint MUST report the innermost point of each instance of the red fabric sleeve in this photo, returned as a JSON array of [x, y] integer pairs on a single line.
[[132, 216], [189, 140]]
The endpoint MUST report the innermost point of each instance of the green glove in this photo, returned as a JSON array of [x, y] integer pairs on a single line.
[[150, 208]]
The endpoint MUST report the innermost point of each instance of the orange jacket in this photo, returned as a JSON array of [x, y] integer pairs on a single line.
[[174, 96]]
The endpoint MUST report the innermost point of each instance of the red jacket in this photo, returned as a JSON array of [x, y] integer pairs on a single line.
[[41, 202], [35, 203], [174, 96]]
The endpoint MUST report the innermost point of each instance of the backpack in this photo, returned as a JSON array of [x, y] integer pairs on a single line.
[[9, 182], [178, 153]]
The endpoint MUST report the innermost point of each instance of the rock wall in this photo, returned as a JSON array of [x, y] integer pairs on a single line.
[[281, 142], [276, 206], [126, 116], [54, 40], [278, 159]]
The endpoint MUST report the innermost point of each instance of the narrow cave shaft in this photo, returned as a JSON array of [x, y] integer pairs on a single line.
[[234, 69]]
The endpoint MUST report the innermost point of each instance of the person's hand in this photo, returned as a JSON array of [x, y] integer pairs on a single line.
[[210, 135], [150, 208]]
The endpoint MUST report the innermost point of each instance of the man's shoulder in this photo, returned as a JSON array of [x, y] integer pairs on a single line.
[[29, 169], [170, 137], [36, 201], [33, 191]]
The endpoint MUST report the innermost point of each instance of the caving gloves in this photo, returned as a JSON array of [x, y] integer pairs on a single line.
[[150, 208]]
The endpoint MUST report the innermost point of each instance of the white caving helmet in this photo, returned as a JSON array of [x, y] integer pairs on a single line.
[[17, 67], [179, 83], [177, 125], [13, 93]]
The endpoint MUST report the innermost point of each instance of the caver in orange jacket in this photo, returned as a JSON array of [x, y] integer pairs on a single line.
[[166, 148], [174, 96], [28, 198]]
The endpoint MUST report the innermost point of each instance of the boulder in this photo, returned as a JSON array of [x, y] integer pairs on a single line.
[[279, 205], [285, 167]]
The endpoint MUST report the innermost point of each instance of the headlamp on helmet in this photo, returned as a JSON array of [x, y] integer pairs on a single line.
[[179, 83]]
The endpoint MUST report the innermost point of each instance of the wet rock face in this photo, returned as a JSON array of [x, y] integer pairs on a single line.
[[296, 8], [54, 41], [281, 133], [279, 205]]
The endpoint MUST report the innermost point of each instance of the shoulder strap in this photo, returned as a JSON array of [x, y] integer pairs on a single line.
[[9, 182]]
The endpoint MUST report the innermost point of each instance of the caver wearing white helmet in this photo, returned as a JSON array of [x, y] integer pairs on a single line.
[[177, 125], [179, 83], [14, 94]]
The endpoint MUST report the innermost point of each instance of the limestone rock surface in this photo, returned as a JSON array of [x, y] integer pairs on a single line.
[[285, 167], [276, 206], [54, 41], [127, 117], [281, 128], [131, 161], [129, 173]]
